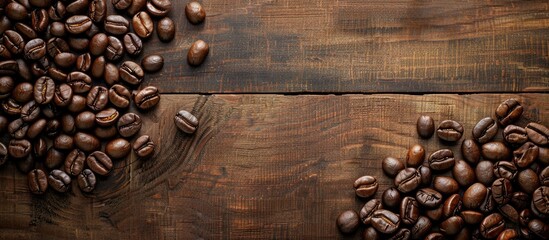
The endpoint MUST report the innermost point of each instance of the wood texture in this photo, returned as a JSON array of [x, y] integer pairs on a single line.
[[259, 166], [356, 46]]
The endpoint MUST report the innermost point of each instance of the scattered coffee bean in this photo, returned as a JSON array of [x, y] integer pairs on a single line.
[[450, 131], [197, 53], [195, 12], [441, 160], [38, 181], [508, 112], [152, 63], [186, 122], [425, 126], [485, 130], [348, 221], [365, 186], [165, 29], [144, 146], [86, 180]]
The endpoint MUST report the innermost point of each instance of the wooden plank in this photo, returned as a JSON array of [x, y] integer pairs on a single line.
[[355, 46], [260, 166]]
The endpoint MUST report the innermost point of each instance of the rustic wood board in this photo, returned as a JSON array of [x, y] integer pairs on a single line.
[[356, 46], [260, 166]]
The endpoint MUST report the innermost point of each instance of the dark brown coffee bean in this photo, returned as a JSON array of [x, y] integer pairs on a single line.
[[133, 44], [116, 25], [14, 42], [442, 159], [509, 212], [54, 158], [111, 74], [40, 68], [79, 43], [371, 234], [98, 67], [115, 49], [38, 181], [159, 8], [520, 200], [495, 151], [165, 29], [36, 128], [409, 210], [492, 225], [425, 126], [484, 172], [121, 4], [544, 177], [99, 44], [463, 173], [136, 6], [407, 180], [474, 196], [435, 236], [188, 123], [79, 82], [59, 181], [98, 10], [63, 142], [63, 95], [415, 156], [105, 132], [119, 96], [526, 154], [18, 128], [35, 49], [78, 104], [508, 112], [25, 31], [97, 98], [30, 111], [74, 163], [8, 67], [452, 206], [445, 185], [421, 228], [142, 24], [435, 214], [68, 124], [40, 20], [543, 156], [131, 73], [143, 146], [57, 11], [23, 92], [78, 24], [147, 98], [195, 12], [485, 130], [428, 197], [368, 210], [56, 46], [515, 135], [365, 186], [528, 180], [504, 169], [40, 3], [99, 163], [85, 120], [86, 142], [118, 148], [152, 63], [426, 175], [539, 228], [40, 148], [44, 89], [5, 24], [107, 117], [385, 221], [52, 127], [16, 12], [391, 166], [129, 124], [452, 226], [65, 60], [391, 198], [11, 107], [77, 6], [83, 62], [7, 85], [540, 200], [502, 190], [401, 234], [86, 180], [4, 52], [525, 216], [57, 74], [538, 133], [471, 217], [347, 222], [197, 53], [26, 165], [450, 130]]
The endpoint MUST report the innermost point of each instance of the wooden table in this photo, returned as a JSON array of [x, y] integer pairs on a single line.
[[296, 100]]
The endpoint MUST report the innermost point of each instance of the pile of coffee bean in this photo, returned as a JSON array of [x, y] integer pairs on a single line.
[[66, 84], [499, 190]]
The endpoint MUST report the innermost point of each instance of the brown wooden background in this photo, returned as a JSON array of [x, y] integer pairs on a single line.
[[296, 100]]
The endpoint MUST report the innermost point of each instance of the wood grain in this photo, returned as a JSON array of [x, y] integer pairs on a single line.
[[356, 46], [259, 167]]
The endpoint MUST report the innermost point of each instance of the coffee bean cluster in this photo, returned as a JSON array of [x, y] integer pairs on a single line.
[[65, 91], [500, 190]]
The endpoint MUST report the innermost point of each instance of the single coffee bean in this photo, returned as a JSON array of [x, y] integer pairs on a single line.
[[142, 24], [492, 225], [77, 6], [57, 11], [528, 180], [452, 226], [99, 163], [508, 234], [435, 214], [543, 155], [538, 133], [385, 221], [129, 124], [365, 186], [495, 151], [197, 53], [98, 67], [4, 52], [445, 185], [57, 74], [526, 154], [11, 107], [38, 181], [426, 175], [57, 29], [86, 142], [107, 117], [504, 169], [442, 159], [99, 44], [428, 197], [415, 156], [115, 49], [520, 200], [471, 217], [16, 12], [425, 126], [63, 142], [502, 190], [65, 60], [435, 236], [347, 222], [79, 43], [7, 85], [391, 198], [85, 120], [147, 98], [508, 112], [452, 205], [421, 228], [40, 20], [371, 234], [470, 151], [484, 172], [105, 132], [152, 63], [509, 212], [18, 128], [539, 228], [474, 196], [188, 123], [79, 82], [131, 73], [485, 130], [450, 130], [143, 146], [63, 95], [407, 180], [86, 180], [59, 181], [14, 42], [74, 163], [409, 210], [23, 92], [68, 124], [118, 148], [525, 216], [544, 177], [368, 210], [35, 49], [112, 74], [515, 135], [54, 158], [121, 4], [136, 6], [133, 44], [159, 8], [463, 173], [30, 111], [52, 127], [119, 96], [56, 46], [165, 29], [98, 10], [78, 104], [83, 62], [540, 200], [5, 24], [116, 25], [391, 166], [78, 24], [19, 148], [97, 98], [8, 67], [3, 124], [195, 12], [36, 128], [401, 234]]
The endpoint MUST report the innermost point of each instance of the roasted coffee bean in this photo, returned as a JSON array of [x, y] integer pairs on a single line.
[[538, 133], [77, 6], [528, 180], [40, 20], [407, 180], [68, 124], [347, 222], [525, 216], [78, 104], [133, 44], [471, 217], [35, 49], [56, 46], [86, 142], [63, 95], [79, 82], [107, 117], [452, 205], [65, 60], [463, 173], [540, 200], [509, 212], [474, 196], [112, 74], [57, 11], [3, 154], [142, 24], [83, 62], [40, 148], [98, 67], [23, 92], [24, 70], [543, 155], [85, 120], [435, 214], [38, 181], [502, 190], [435, 236], [119, 96], [428, 197], [188, 123], [539, 228], [59, 181], [442, 159], [495, 151], [115, 49], [409, 210], [5, 24], [54, 158], [129, 124], [131, 73], [195, 12], [526, 154], [74, 163], [509, 234], [544, 177], [198, 52], [515, 135], [18, 128], [116, 25], [30, 111], [143, 146], [105, 132], [492, 225], [152, 63], [385, 221], [86, 180], [40, 3], [121, 4], [36, 128], [450, 130], [391, 198], [11, 107], [421, 228], [371, 234], [57, 74], [159, 8], [40, 68], [426, 175], [520, 200], [391, 166], [4, 52], [99, 44], [97, 98], [485, 130], [98, 10], [25, 31], [415, 156], [425, 126], [8, 67], [52, 127], [365, 186], [118, 148], [368, 210], [16, 12], [165, 29], [452, 226], [79, 43], [136, 6], [508, 112], [148, 97], [7, 85], [99, 163], [401, 234], [484, 172], [78, 24], [63, 142], [445, 185], [504, 169], [14, 42]]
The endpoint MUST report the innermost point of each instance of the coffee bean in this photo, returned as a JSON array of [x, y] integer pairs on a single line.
[[74, 163], [508, 234], [54, 158], [540, 200], [78, 104], [445, 185], [504, 169], [121, 4], [35, 49], [105, 132], [14, 42], [115, 49], [435, 236], [147, 98], [97, 98], [385, 221], [119, 96], [526, 154], [435, 214], [118, 148], [401, 234], [368, 210], [11, 107], [136, 6], [4, 52], [79, 82], [40, 3], [65, 60], [86, 142], [508, 112], [143, 146], [484, 172], [57, 74], [85, 120], [528, 180], [16, 12], [30, 111], [165, 29], [38, 181], [133, 44], [112, 74], [18, 128], [515, 135], [371, 234], [347, 222], [56, 46], [474, 196], [107, 117], [409, 210], [77, 6], [488, 204], [365, 186], [98, 67], [57, 29], [142, 24], [186, 122], [495, 151], [63, 95], [485, 130], [426, 175], [78, 24], [195, 12], [428, 197], [129, 124], [98, 10], [152, 63], [492, 225], [509, 212], [197, 53], [544, 177], [421, 228], [7, 84], [502, 190], [450, 130], [415, 156], [52, 127], [116, 25], [19, 148], [99, 163], [525, 216], [442, 159], [471, 217], [57, 11], [59, 181], [131, 73], [68, 124], [539, 228], [452, 205], [83, 62], [425, 126], [40, 20], [407, 180], [99, 44], [538, 133], [391, 198], [520, 200], [5, 24], [159, 8], [63, 142], [86, 180], [463, 173], [452, 225]]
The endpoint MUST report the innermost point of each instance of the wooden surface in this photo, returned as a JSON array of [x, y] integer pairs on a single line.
[[259, 166], [357, 46]]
